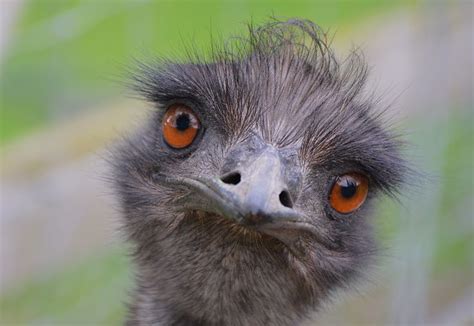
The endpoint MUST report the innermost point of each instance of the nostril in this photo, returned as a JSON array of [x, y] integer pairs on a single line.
[[232, 178], [285, 199]]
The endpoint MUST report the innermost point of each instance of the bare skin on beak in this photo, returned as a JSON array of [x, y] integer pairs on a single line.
[[257, 193]]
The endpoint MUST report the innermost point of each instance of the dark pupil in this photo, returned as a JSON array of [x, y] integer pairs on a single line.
[[348, 188], [182, 122]]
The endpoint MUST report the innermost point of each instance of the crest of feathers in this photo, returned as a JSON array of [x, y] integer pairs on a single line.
[[284, 82]]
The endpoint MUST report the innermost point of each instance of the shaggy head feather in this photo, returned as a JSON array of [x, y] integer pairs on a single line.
[[283, 88]]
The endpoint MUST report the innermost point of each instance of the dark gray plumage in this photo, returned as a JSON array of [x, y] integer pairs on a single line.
[[285, 118]]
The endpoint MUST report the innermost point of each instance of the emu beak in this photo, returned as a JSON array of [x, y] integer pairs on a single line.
[[258, 190], [255, 193]]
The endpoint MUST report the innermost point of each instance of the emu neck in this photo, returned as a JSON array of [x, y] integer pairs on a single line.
[[212, 274]]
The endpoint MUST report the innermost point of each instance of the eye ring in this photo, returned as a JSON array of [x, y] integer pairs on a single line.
[[180, 126], [348, 192]]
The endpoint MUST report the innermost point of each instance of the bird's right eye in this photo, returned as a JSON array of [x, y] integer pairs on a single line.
[[180, 126]]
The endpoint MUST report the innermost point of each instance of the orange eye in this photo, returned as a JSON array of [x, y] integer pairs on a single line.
[[180, 126], [349, 192]]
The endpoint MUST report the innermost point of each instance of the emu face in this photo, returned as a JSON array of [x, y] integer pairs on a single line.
[[247, 194]]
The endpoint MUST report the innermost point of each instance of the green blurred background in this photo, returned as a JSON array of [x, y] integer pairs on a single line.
[[62, 102]]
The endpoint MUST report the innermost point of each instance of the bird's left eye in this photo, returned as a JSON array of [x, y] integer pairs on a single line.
[[180, 126], [349, 192]]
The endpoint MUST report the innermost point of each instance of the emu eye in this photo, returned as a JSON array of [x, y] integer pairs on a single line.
[[180, 126], [348, 192]]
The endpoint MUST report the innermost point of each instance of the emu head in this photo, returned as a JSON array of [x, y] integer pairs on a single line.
[[247, 195]]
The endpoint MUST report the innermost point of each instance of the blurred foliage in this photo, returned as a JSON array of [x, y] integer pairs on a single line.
[[66, 55], [455, 237], [90, 292], [441, 196]]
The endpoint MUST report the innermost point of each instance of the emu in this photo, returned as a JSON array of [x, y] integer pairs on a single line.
[[247, 194]]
